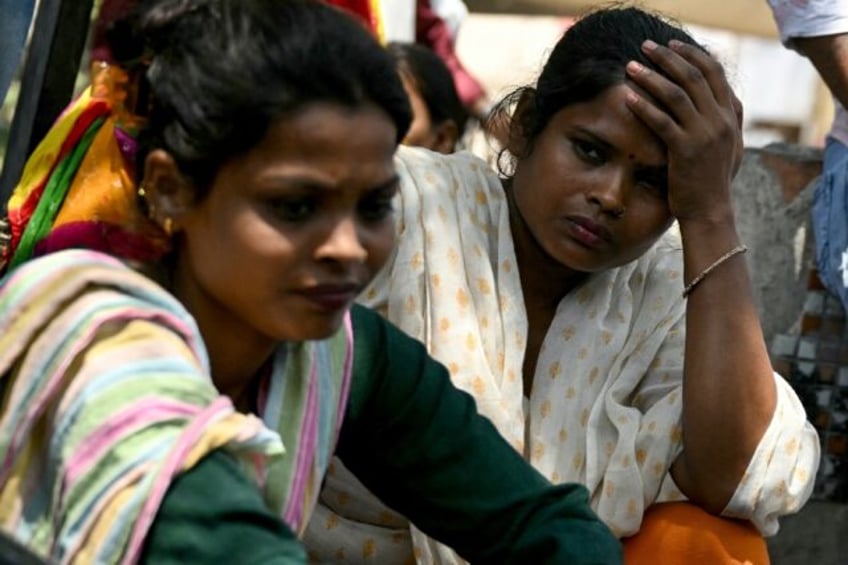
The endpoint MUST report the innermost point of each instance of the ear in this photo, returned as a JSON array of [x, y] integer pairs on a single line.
[[524, 110], [170, 194], [445, 136]]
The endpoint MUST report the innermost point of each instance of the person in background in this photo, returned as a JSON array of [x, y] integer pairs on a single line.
[[433, 24], [609, 346], [181, 356], [438, 116], [819, 31]]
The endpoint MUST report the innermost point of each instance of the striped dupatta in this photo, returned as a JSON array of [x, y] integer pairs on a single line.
[[308, 414], [105, 399]]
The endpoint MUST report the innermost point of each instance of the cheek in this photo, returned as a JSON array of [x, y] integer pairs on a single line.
[[380, 242], [648, 227]]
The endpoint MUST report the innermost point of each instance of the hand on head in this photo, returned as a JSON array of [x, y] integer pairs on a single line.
[[694, 111]]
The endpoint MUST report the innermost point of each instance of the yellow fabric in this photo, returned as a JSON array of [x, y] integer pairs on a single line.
[[43, 159]]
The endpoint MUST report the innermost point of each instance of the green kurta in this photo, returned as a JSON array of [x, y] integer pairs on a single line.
[[419, 444]]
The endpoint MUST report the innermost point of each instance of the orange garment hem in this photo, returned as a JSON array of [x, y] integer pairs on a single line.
[[679, 533]]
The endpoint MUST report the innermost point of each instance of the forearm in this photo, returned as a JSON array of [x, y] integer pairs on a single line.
[[829, 55], [728, 385]]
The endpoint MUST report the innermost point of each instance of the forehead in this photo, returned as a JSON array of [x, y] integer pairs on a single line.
[[328, 125], [608, 118], [326, 139]]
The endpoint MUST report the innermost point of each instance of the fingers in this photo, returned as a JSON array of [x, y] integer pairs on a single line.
[[738, 110], [710, 69], [686, 79], [659, 121], [692, 88]]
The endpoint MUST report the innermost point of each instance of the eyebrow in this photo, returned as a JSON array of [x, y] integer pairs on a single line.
[[595, 137]]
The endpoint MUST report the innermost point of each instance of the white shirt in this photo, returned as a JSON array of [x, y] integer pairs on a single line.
[[814, 18]]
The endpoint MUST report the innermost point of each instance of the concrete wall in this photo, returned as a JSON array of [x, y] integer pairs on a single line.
[[772, 196]]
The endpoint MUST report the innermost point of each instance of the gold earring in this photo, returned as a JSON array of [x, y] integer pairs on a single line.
[[168, 226], [141, 192]]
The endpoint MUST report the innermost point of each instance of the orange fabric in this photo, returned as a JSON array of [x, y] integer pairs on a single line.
[[99, 209], [680, 533]]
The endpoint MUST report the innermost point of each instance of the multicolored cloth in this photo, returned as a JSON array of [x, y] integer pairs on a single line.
[[78, 188], [306, 399], [105, 399]]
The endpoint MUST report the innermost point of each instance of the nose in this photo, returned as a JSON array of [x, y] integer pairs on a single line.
[[610, 194], [342, 243]]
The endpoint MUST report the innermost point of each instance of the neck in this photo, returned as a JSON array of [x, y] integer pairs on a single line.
[[236, 351], [544, 281]]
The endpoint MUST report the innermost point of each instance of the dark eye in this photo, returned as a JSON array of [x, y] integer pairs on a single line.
[[293, 209], [588, 151], [376, 207], [656, 183]]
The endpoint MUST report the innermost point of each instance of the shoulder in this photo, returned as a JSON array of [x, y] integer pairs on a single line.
[[379, 344], [809, 19], [80, 292], [65, 275], [423, 166]]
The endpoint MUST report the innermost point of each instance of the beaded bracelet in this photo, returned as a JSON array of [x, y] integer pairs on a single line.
[[735, 251]]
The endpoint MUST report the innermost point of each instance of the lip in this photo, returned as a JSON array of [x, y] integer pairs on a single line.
[[333, 296], [588, 232]]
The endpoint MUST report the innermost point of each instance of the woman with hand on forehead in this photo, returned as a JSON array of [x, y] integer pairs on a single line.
[[605, 348], [180, 359]]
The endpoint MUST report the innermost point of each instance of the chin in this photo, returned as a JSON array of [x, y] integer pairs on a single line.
[[315, 329]]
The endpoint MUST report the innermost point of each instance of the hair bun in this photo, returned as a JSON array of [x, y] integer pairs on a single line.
[[148, 29]]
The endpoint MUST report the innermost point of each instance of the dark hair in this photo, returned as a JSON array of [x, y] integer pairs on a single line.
[[431, 76], [589, 58], [221, 71]]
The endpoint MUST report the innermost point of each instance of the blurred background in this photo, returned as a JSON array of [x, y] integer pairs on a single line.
[[504, 42]]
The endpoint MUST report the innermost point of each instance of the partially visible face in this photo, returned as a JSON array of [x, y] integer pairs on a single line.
[[421, 132], [291, 231], [593, 190]]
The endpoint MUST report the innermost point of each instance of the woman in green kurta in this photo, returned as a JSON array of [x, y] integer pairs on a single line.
[[180, 358]]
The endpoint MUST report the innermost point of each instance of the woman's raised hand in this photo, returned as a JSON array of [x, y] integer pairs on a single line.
[[698, 117]]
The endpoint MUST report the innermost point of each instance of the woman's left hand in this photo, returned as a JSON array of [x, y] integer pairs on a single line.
[[698, 117]]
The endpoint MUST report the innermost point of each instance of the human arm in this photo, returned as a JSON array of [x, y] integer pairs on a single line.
[[820, 33], [779, 477], [829, 55], [214, 514], [418, 443], [729, 393]]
